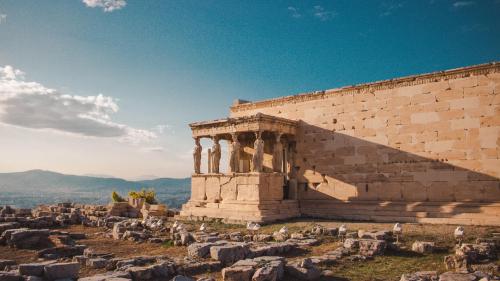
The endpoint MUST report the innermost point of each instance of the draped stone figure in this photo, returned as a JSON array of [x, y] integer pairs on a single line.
[[197, 156], [234, 156], [278, 155], [258, 155], [216, 155]]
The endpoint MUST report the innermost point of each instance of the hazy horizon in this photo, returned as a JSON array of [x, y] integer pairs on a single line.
[[108, 87]]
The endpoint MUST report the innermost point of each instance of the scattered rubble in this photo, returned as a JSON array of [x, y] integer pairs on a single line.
[[422, 247]]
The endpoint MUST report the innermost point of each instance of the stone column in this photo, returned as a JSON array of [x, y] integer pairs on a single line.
[[234, 154], [278, 154], [197, 155], [258, 154], [216, 154], [209, 160]]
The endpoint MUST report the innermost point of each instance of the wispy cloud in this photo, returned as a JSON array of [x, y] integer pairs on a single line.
[[154, 149], [294, 12], [461, 4], [322, 14], [3, 18], [163, 129], [390, 8], [106, 5], [32, 105]]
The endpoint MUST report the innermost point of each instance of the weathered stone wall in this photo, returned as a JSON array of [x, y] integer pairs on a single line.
[[239, 197], [412, 148]]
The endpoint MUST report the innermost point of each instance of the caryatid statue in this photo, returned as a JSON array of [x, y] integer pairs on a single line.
[[278, 155], [234, 156], [197, 155], [216, 155], [258, 155]]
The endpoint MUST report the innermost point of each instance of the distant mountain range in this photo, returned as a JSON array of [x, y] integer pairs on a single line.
[[26, 189]]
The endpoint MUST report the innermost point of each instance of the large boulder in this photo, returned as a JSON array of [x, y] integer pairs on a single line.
[[351, 243], [229, 253], [97, 263], [455, 276], [238, 273], [273, 249], [303, 270], [10, 276], [5, 263], [61, 271], [62, 252], [181, 278], [257, 269], [164, 269], [8, 225], [24, 238], [33, 269], [280, 236], [109, 276], [197, 266], [141, 272], [377, 235], [202, 250], [420, 276], [477, 252], [371, 247]]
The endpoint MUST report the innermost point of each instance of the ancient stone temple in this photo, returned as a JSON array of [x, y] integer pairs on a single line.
[[423, 148]]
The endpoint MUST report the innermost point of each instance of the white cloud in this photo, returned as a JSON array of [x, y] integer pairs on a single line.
[[3, 18], [322, 14], [460, 4], [294, 12], [34, 106], [106, 5]]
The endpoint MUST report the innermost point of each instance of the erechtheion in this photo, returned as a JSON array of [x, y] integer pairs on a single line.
[[423, 148]]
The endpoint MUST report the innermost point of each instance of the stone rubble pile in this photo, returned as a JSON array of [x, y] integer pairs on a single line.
[[466, 255], [139, 230]]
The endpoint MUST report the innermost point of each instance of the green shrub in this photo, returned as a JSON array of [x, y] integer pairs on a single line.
[[148, 195], [116, 197]]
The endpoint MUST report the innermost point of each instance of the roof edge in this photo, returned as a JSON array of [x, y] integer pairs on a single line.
[[377, 85]]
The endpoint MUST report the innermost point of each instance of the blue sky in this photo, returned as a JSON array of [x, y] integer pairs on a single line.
[[162, 64]]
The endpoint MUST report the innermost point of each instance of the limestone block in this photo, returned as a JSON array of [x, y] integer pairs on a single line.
[[198, 188], [228, 190], [212, 189], [439, 146], [466, 123], [424, 117], [248, 192], [472, 102], [62, 270], [423, 98], [488, 137], [391, 191], [414, 191], [463, 82]]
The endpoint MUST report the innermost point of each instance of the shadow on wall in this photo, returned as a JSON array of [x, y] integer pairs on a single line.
[[335, 168]]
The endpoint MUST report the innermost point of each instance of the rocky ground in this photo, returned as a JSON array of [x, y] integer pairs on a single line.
[[84, 243]]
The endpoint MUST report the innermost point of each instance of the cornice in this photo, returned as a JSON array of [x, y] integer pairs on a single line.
[[480, 69]]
